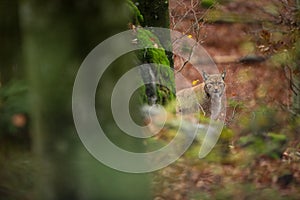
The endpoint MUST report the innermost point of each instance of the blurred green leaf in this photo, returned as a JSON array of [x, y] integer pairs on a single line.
[[13, 100]]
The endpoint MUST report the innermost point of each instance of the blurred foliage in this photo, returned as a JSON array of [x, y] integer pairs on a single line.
[[269, 144], [221, 150], [261, 133], [58, 35], [16, 174], [208, 3], [14, 109], [136, 16], [235, 104], [248, 191], [261, 120]]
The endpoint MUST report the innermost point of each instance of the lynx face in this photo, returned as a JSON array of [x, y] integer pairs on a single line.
[[214, 84]]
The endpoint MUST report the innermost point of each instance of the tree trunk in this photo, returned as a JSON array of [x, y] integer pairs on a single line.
[[10, 40], [156, 14]]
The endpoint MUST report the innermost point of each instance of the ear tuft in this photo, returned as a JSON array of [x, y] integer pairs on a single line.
[[205, 75], [223, 74]]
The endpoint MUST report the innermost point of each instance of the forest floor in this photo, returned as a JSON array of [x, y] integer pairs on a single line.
[[241, 37]]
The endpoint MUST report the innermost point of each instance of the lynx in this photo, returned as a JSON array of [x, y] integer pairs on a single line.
[[203, 97]]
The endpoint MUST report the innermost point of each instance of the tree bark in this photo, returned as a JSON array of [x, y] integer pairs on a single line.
[[156, 14], [10, 39]]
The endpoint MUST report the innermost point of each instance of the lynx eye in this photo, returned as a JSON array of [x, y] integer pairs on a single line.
[[209, 85]]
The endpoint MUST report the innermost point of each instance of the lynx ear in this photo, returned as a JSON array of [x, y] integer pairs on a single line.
[[223, 74], [205, 75]]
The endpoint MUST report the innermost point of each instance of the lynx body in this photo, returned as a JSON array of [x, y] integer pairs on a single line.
[[203, 97]]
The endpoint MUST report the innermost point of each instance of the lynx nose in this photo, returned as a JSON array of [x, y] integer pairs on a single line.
[[216, 89]]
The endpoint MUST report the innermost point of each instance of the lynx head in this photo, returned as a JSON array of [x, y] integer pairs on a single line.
[[214, 84]]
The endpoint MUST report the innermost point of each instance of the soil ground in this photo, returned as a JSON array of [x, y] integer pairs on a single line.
[[229, 32]]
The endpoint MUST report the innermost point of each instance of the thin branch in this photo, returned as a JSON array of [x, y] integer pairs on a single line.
[[289, 77], [190, 56]]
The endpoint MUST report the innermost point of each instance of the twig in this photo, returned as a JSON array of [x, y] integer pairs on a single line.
[[293, 87], [190, 55]]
